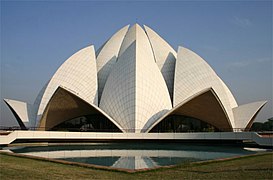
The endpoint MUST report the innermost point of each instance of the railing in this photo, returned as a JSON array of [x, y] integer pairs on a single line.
[[6, 128]]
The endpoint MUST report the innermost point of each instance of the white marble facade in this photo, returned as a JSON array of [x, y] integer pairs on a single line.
[[134, 79]]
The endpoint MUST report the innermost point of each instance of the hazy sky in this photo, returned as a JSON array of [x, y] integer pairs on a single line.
[[234, 37]]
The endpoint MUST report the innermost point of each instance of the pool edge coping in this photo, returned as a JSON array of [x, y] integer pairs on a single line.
[[123, 170]]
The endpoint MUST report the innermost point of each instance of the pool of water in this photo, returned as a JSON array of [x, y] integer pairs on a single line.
[[132, 156]]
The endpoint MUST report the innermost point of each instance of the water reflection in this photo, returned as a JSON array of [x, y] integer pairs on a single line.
[[132, 156]]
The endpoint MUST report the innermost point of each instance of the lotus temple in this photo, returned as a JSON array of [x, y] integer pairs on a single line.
[[135, 83]]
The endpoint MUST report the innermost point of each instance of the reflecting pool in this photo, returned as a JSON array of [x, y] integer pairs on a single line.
[[133, 155]]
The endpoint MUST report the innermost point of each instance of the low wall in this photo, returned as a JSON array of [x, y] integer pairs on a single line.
[[96, 136]]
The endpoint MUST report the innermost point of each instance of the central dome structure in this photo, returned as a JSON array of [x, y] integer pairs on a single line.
[[135, 82]]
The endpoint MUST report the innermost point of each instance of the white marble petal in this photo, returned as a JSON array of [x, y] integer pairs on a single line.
[[78, 74], [135, 94]]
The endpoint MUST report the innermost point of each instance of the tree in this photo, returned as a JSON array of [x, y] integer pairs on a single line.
[[266, 126]]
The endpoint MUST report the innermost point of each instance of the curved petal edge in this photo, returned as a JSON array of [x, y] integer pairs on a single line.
[[78, 74], [22, 111], [204, 105], [107, 57], [65, 105], [244, 115]]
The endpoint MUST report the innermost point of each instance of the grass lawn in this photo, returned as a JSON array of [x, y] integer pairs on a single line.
[[250, 167]]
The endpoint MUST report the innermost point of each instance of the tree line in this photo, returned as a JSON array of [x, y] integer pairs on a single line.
[[266, 126]]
